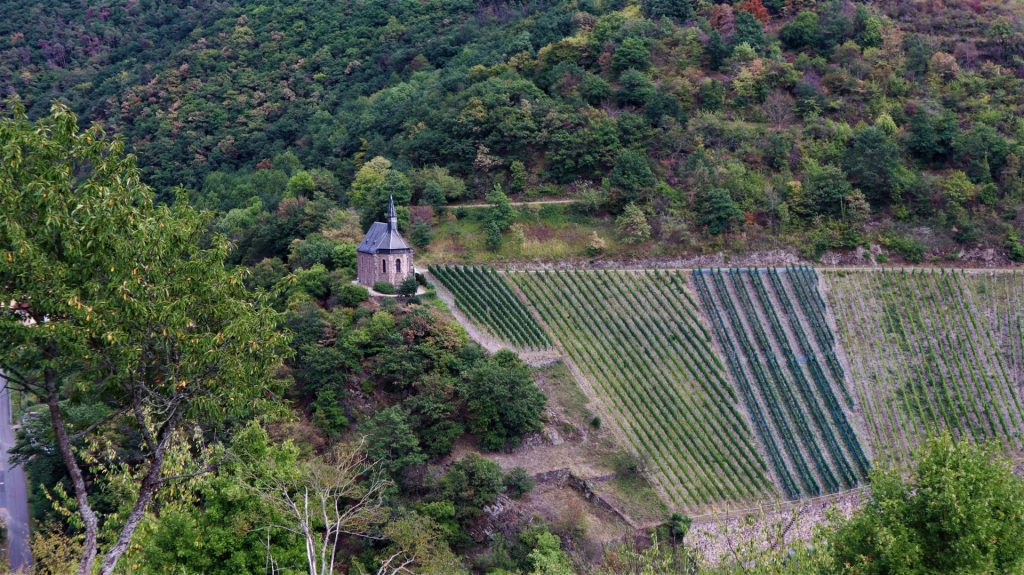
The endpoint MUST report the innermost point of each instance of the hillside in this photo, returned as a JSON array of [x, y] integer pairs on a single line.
[[695, 286], [808, 125]]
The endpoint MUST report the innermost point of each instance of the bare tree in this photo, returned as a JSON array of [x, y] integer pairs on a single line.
[[324, 498], [778, 107]]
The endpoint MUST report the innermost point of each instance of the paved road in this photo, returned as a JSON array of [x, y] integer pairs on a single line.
[[13, 495]]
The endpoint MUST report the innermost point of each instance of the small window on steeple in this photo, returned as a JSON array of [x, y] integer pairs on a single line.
[[398, 266], [384, 266]]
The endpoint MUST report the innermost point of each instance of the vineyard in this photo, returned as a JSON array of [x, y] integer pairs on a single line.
[[771, 326], [933, 350], [735, 385], [638, 337], [482, 294]]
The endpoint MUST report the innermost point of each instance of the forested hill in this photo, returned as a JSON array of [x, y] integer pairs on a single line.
[[784, 116]]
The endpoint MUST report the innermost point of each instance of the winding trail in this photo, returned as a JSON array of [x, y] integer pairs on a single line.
[[528, 203]]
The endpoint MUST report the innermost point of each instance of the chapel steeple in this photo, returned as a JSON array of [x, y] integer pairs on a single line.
[[392, 216]]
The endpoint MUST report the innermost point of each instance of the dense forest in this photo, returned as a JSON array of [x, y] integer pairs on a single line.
[[222, 159], [826, 125]]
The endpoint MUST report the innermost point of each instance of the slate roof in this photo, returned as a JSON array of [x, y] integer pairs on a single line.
[[383, 238]]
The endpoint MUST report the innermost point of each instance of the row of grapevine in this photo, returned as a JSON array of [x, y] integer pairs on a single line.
[[952, 353], [482, 294], [806, 292], [807, 434], [638, 337]]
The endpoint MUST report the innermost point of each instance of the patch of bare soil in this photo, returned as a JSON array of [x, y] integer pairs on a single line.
[[726, 537], [577, 491]]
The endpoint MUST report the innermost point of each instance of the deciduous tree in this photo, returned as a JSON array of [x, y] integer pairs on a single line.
[[960, 511], [119, 304]]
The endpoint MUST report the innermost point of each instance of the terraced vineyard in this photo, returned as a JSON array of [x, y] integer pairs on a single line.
[[771, 327], [737, 385], [638, 337], [934, 350], [482, 294]]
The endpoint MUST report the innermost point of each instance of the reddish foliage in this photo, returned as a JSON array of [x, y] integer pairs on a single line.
[[421, 214], [756, 9], [722, 19]]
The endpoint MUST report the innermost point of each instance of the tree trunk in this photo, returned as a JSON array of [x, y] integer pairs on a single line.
[[81, 496], [148, 488]]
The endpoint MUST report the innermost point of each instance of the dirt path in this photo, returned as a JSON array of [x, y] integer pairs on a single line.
[[529, 203]]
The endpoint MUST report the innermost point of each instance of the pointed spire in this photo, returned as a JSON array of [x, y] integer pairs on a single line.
[[392, 216]]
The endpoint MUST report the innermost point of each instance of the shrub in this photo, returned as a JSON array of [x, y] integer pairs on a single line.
[[408, 286], [596, 246], [352, 295], [492, 236], [718, 212], [384, 288], [1014, 247], [315, 281], [501, 208], [470, 484], [390, 440], [343, 256], [633, 226], [517, 176], [328, 411], [518, 482], [315, 249], [910, 249], [502, 402], [421, 235]]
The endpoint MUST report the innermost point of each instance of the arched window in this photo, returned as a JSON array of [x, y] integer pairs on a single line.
[[384, 266], [398, 266]]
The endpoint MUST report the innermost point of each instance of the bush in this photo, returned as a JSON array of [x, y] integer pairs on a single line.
[[908, 248], [470, 484], [633, 226], [315, 281], [390, 440], [329, 412], [408, 286], [315, 249], [1014, 247], [518, 482], [352, 295], [421, 235], [596, 246], [718, 212], [384, 288], [632, 53], [492, 236], [343, 256]]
